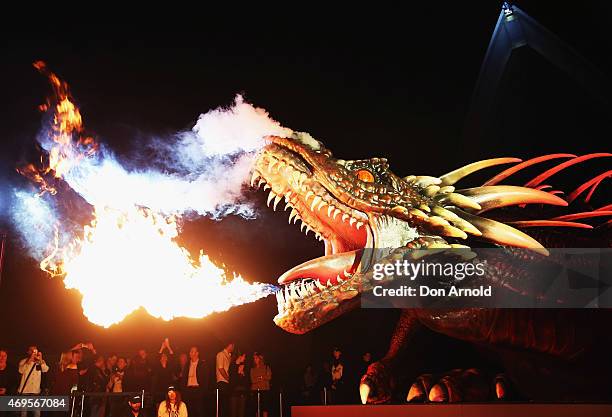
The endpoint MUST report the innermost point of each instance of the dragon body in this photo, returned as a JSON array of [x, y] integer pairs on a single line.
[[359, 204]]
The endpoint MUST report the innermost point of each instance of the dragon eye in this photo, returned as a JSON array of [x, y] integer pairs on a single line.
[[365, 175]]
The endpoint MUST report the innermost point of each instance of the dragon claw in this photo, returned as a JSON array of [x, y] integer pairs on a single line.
[[376, 385]]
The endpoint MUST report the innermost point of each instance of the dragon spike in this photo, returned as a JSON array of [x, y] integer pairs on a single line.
[[431, 190], [495, 196], [454, 176], [456, 220], [458, 200], [501, 233], [516, 168], [425, 181], [452, 231]]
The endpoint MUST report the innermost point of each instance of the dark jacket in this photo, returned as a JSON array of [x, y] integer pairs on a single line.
[[9, 380], [202, 373], [164, 377], [138, 376], [239, 383]]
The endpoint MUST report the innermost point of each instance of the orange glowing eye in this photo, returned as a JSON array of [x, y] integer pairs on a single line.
[[365, 175]]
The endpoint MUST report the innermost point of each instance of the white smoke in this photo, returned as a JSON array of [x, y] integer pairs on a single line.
[[203, 172], [210, 165]]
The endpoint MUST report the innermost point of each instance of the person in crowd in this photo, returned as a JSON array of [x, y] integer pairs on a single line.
[[97, 382], [324, 382], [222, 373], [182, 369], [135, 407], [31, 369], [115, 385], [196, 382], [8, 375], [261, 375], [138, 373], [164, 374], [111, 362], [338, 373], [310, 381], [66, 375], [85, 355], [239, 385], [172, 406]]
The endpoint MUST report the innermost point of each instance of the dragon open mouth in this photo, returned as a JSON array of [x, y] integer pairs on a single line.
[[313, 291]]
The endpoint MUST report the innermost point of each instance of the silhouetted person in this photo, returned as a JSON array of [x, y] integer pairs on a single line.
[[138, 374], [240, 385], [196, 383], [164, 372], [222, 365]]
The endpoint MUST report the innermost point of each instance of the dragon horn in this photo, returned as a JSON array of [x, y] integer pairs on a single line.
[[454, 176], [494, 196], [501, 233]]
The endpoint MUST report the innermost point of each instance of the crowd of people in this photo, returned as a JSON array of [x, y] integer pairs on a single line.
[[179, 385]]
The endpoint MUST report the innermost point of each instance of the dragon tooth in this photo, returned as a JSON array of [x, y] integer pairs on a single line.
[[359, 224], [296, 218], [315, 201], [294, 293], [319, 285], [270, 197], [302, 226], [254, 178], [267, 187], [303, 177], [261, 181], [277, 199], [308, 229], [287, 295], [340, 280], [330, 209], [288, 196], [336, 212], [292, 214], [352, 220], [308, 194], [321, 205], [344, 217]]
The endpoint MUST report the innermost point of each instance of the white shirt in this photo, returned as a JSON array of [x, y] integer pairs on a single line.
[[162, 411], [33, 384], [223, 362], [192, 378]]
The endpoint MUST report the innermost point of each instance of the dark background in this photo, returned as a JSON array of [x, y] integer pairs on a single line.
[[394, 83]]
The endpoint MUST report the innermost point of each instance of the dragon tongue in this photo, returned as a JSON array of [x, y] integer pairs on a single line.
[[324, 268]]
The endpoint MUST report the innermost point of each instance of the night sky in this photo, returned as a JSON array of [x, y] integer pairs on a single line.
[[376, 85]]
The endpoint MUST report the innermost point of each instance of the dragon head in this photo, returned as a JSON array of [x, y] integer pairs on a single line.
[[360, 204]]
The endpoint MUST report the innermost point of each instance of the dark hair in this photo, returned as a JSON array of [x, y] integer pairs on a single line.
[[178, 401]]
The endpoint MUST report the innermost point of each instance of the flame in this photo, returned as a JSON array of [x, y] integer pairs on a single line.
[[131, 250]]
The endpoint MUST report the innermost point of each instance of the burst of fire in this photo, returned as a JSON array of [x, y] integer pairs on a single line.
[[132, 250]]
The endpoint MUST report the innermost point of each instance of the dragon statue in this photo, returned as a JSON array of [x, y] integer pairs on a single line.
[[358, 204]]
